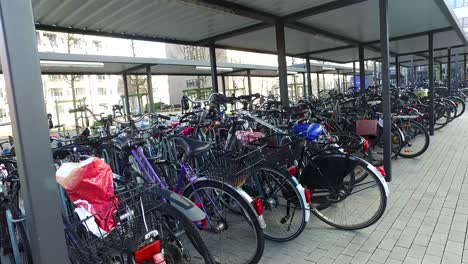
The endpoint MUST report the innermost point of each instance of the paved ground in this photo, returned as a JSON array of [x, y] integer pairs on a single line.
[[426, 217]]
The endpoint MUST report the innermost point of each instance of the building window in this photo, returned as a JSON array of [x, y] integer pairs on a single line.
[[101, 77], [102, 91], [465, 22], [80, 92], [55, 78], [52, 39], [56, 92], [191, 83]]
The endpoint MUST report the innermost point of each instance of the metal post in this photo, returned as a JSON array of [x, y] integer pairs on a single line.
[[126, 95], [354, 73], [304, 85], [362, 70], [397, 71], [309, 77], [223, 82], [249, 82], [339, 81], [449, 70], [282, 68], [214, 71], [324, 84], [149, 80], [440, 71], [295, 87], [464, 67], [22, 73], [431, 83], [387, 121], [318, 85]]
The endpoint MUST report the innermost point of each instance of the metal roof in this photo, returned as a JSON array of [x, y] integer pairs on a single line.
[[328, 29], [161, 66]]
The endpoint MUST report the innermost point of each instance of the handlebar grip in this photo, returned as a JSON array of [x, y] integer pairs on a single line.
[[164, 117]]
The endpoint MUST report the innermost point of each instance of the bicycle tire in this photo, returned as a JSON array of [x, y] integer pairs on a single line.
[[461, 105], [320, 210], [287, 191], [21, 238], [426, 141], [247, 208], [189, 228]]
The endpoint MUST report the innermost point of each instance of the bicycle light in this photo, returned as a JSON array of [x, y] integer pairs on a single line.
[[147, 252], [365, 145], [381, 170], [258, 206], [292, 170]]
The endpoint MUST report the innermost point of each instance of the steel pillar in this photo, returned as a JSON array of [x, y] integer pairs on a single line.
[[309, 77], [149, 80], [354, 73], [431, 83], [386, 104], [126, 95], [23, 83], [449, 70], [318, 85], [304, 85], [362, 70], [464, 67], [339, 81], [440, 71], [397, 71], [214, 70], [282, 67], [223, 82]]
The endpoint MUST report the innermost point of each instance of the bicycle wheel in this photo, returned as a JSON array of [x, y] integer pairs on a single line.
[[232, 236], [22, 243], [180, 238], [284, 206], [416, 139], [337, 199], [460, 105]]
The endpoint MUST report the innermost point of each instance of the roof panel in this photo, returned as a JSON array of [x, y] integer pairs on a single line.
[[280, 7]]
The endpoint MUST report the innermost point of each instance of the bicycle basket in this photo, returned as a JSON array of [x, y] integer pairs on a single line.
[[366, 127], [281, 149], [134, 218], [232, 168]]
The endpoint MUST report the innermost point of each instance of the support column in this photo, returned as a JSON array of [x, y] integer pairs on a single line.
[[23, 84], [431, 83], [339, 81], [282, 67], [440, 71], [126, 95], [397, 71], [449, 70], [464, 67], [304, 85], [214, 70], [249, 82], [223, 82], [387, 121], [362, 70], [354, 74], [149, 81], [318, 85], [309, 77]]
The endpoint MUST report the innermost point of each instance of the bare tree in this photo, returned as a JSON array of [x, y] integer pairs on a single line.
[[137, 83]]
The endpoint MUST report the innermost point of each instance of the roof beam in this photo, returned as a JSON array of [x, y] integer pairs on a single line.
[[234, 33], [319, 9], [414, 35], [136, 68]]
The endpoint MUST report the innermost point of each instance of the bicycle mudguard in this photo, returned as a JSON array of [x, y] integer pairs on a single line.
[[302, 193], [183, 205]]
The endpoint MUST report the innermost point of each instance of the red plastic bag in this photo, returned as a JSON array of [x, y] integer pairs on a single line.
[[89, 185]]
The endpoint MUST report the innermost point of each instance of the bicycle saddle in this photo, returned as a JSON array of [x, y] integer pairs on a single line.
[[374, 103], [192, 147]]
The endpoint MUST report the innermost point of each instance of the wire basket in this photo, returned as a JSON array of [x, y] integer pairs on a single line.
[[351, 143], [135, 215], [281, 149], [232, 168]]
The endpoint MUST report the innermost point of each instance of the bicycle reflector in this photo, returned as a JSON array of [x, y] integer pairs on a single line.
[[147, 252], [258, 206], [292, 170], [365, 145], [308, 195], [381, 170]]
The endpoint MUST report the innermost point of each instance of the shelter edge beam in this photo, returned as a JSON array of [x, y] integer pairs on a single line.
[[330, 6]]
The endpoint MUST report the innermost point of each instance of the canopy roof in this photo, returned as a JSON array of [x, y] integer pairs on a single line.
[[328, 30]]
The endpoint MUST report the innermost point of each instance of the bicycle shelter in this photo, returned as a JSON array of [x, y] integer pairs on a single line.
[[339, 31]]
